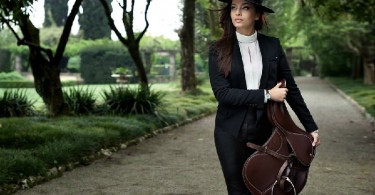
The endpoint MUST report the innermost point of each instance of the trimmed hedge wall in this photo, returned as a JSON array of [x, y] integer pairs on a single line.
[[5, 60], [99, 61], [29, 84]]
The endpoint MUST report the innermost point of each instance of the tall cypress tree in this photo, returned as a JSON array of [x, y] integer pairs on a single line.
[[56, 12], [187, 37], [93, 21]]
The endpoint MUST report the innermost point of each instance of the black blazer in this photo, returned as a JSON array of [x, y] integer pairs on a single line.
[[234, 98]]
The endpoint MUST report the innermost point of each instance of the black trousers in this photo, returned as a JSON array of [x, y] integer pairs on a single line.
[[233, 152]]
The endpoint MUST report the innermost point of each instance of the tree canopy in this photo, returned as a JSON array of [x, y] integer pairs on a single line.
[[351, 25], [93, 21], [56, 12]]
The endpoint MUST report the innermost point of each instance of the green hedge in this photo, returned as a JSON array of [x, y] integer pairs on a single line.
[[28, 84], [5, 60], [99, 61], [16, 84]]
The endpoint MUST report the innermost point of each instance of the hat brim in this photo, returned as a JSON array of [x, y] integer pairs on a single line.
[[264, 8]]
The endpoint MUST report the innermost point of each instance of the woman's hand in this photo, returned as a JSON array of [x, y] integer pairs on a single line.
[[316, 141], [278, 94]]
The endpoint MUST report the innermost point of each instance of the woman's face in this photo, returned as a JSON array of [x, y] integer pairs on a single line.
[[243, 15]]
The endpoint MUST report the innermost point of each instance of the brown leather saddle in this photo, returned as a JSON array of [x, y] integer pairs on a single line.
[[282, 164]]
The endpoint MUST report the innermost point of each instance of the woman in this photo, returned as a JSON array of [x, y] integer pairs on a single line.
[[245, 67]]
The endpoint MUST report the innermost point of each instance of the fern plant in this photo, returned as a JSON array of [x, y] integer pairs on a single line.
[[15, 103], [125, 100], [81, 101]]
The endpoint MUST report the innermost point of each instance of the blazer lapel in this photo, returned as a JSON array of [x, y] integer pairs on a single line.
[[238, 72], [265, 70]]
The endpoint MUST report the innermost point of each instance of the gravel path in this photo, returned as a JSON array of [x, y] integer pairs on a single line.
[[184, 162]]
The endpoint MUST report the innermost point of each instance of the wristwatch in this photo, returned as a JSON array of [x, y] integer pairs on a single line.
[[268, 95]]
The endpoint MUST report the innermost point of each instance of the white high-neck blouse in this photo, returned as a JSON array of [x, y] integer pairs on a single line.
[[251, 58]]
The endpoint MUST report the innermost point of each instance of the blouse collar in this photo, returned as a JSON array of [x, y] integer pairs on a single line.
[[247, 39]]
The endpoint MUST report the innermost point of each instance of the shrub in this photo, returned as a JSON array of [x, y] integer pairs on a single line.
[[16, 84], [201, 79], [5, 60], [74, 64], [98, 62], [15, 103], [11, 76], [125, 100], [80, 100]]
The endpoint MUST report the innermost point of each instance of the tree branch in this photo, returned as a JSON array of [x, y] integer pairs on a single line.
[[127, 20], [24, 42], [111, 22], [10, 27], [147, 23], [119, 4], [67, 28]]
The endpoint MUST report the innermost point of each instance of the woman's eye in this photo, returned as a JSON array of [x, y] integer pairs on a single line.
[[233, 7], [246, 8]]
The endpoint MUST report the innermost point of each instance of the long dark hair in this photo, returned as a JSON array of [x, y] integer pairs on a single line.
[[224, 46]]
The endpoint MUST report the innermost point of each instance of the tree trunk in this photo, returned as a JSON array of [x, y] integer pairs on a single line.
[[133, 49], [45, 71], [188, 82], [369, 71], [357, 68], [131, 42], [48, 84]]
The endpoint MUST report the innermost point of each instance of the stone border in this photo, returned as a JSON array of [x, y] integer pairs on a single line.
[[87, 160], [368, 116]]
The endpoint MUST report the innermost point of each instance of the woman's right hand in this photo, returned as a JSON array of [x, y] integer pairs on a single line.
[[277, 93]]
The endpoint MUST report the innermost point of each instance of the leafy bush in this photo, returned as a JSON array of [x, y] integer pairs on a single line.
[[15, 103], [125, 100], [201, 79], [80, 100], [74, 64], [5, 60], [16, 84], [11, 76], [29, 84], [98, 62]]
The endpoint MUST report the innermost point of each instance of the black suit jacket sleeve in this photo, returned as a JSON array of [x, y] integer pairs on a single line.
[[227, 94], [294, 97]]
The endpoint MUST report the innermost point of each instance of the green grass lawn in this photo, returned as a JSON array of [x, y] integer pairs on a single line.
[[32, 146], [361, 93]]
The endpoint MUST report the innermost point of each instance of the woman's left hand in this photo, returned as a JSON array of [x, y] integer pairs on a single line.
[[316, 141]]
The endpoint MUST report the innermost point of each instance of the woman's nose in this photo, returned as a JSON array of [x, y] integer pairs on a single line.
[[238, 12]]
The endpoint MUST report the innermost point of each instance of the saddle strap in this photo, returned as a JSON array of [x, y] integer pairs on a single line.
[[280, 177], [264, 149], [283, 178]]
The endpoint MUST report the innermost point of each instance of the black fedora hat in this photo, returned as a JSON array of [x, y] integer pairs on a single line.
[[256, 2]]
